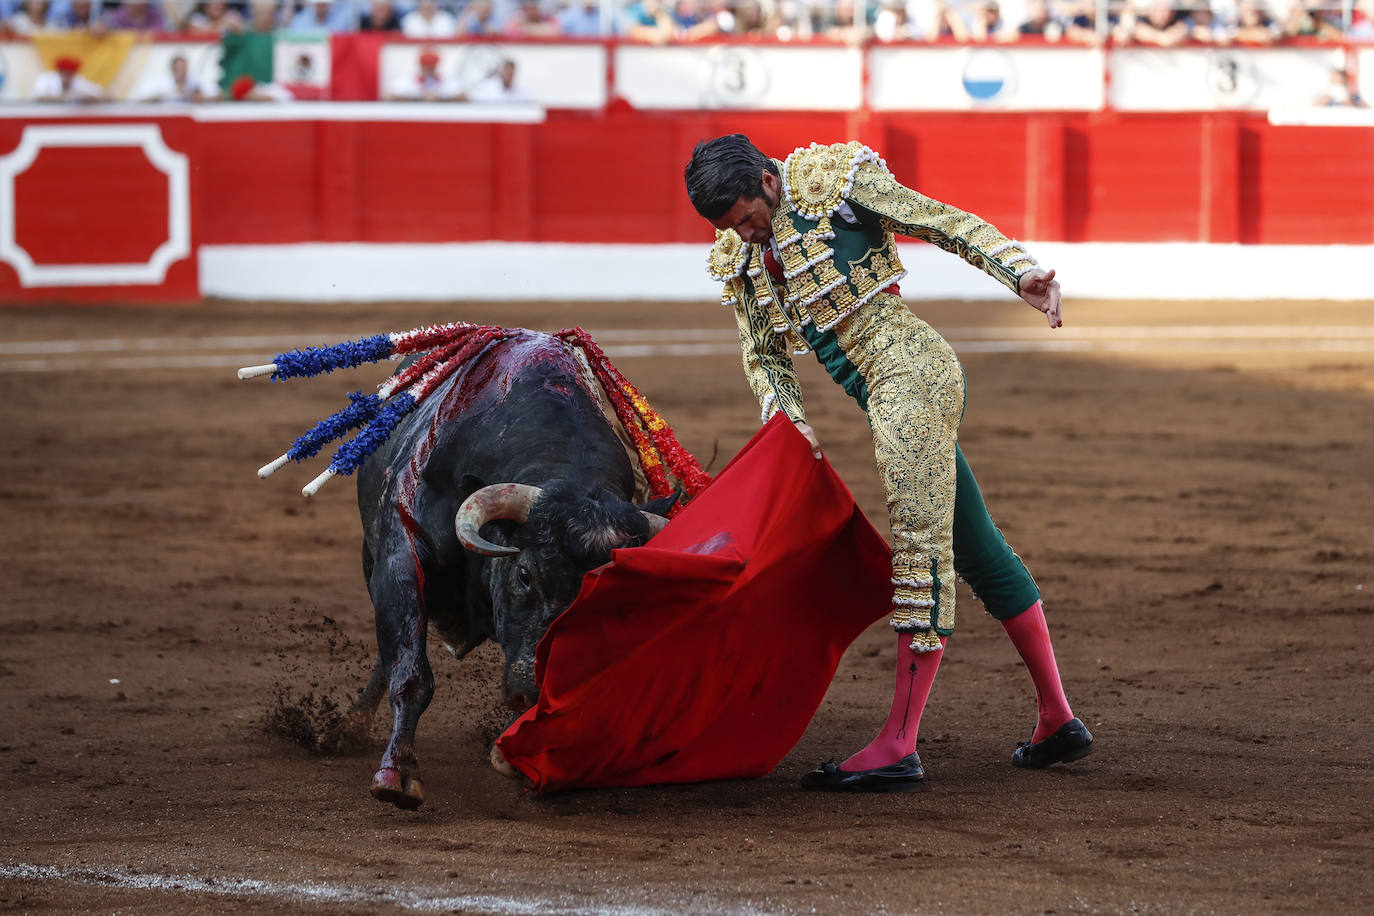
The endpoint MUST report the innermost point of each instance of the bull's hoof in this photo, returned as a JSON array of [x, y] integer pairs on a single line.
[[389, 785], [499, 764]]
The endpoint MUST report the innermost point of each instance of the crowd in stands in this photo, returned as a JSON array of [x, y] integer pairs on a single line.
[[1151, 22]]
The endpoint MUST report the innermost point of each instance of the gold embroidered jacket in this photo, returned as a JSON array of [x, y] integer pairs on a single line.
[[834, 228]]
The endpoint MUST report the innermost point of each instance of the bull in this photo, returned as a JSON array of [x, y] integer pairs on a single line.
[[481, 514]]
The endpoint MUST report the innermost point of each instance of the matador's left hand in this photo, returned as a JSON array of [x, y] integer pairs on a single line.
[[1041, 291]]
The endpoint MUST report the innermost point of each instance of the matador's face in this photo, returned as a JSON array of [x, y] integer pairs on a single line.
[[752, 218]]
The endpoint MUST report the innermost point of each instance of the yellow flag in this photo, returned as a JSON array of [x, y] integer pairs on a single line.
[[101, 57]]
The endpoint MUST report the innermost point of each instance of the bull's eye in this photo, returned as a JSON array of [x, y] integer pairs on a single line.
[[522, 573]]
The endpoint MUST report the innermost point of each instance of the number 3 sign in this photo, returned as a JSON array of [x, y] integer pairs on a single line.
[[736, 77]]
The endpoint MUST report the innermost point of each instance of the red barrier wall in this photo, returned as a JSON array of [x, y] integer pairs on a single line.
[[83, 210], [616, 177]]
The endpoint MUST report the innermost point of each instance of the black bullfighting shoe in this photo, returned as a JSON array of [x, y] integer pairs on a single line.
[[1072, 742], [906, 775]]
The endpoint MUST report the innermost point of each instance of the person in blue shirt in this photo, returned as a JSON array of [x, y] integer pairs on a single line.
[[580, 19], [323, 16]]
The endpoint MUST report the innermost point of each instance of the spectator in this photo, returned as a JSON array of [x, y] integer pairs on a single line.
[[794, 20], [1039, 23], [247, 89], [1254, 26], [580, 19], [754, 19], [692, 21], [930, 20], [76, 16], [176, 13], [1307, 19], [136, 16], [1080, 22], [323, 16], [264, 15], [984, 24], [1341, 92], [499, 86], [478, 18], [428, 21], [427, 85], [30, 18], [216, 17], [1160, 25], [380, 17], [177, 86], [63, 84], [531, 21], [646, 20], [840, 21], [892, 22], [1205, 27]]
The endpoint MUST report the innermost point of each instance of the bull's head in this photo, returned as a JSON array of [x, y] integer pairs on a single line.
[[552, 536]]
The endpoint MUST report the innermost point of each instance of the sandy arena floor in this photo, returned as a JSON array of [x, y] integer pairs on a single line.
[[1190, 483]]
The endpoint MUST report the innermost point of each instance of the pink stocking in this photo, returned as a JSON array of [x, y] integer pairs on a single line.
[[1031, 636], [915, 675]]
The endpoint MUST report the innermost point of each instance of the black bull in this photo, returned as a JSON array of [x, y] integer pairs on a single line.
[[518, 446]]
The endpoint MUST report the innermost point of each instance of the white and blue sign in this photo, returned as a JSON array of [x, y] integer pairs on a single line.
[[972, 78], [988, 75]]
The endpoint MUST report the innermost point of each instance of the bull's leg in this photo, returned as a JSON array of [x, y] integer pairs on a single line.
[[401, 625], [371, 694], [357, 721]]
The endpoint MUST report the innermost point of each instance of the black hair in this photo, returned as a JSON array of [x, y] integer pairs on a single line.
[[722, 171]]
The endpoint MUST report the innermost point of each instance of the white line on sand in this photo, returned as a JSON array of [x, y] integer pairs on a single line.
[[370, 896]]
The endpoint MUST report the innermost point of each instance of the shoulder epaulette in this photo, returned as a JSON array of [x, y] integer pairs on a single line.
[[817, 179], [728, 256]]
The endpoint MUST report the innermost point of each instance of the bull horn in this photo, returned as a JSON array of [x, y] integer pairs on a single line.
[[656, 522], [500, 500]]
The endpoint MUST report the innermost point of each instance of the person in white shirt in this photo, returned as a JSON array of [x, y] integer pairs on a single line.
[[30, 18], [64, 84], [428, 21], [177, 86], [500, 86]]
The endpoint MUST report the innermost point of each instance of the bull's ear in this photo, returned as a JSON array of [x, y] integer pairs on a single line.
[[469, 485], [661, 506]]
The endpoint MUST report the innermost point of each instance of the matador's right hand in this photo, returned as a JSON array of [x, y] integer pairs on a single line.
[[1041, 290]]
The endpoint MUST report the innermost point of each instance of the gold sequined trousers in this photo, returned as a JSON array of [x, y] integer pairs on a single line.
[[915, 400]]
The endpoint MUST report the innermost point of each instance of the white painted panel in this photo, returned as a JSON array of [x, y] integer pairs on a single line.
[[499, 271], [551, 75], [740, 76], [1254, 79], [986, 78]]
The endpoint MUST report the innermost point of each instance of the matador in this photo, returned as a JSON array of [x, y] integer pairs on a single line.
[[806, 252]]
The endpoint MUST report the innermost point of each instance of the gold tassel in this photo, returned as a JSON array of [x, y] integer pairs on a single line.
[[928, 641]]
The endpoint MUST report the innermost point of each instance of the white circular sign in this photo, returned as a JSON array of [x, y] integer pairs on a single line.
[[988, 76]]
